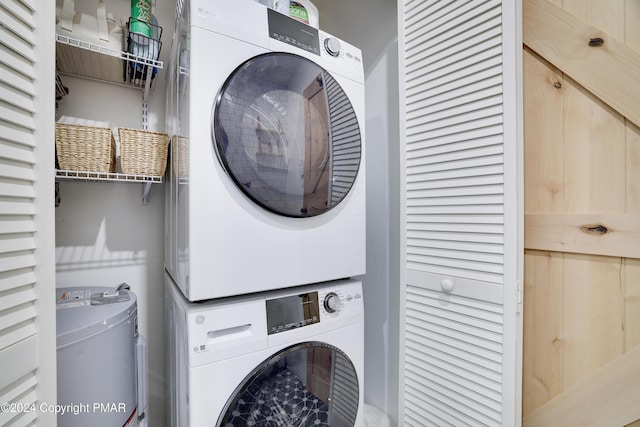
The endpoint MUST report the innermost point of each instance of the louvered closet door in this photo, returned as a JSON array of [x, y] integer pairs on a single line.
[[460, 132], [27, 269]]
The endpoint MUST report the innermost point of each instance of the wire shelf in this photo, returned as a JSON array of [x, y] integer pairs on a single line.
[[69, 175], [147, 181], [83, 59]]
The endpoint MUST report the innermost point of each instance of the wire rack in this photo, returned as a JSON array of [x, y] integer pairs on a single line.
[[83, 59], [147, 181], [96, 62], [70, 175]]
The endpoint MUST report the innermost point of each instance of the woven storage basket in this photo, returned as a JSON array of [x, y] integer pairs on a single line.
[[85, 148], [143, 152], [181, 156]]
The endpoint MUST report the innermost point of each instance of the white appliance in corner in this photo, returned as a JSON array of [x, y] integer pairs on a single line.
[[266, 182], [101, 358], [292, 358]]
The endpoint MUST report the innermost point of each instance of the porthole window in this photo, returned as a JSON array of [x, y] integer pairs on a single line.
[[306, 385], [287, 135]]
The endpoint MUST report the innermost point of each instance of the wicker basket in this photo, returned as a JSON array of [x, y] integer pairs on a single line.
[[143, 152], [181, 156], [85, 148]]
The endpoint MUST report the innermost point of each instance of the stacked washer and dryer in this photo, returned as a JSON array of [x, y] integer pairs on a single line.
[[265, 220]]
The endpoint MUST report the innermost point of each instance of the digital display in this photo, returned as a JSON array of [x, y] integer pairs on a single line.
[[292, 312], [295, 33]]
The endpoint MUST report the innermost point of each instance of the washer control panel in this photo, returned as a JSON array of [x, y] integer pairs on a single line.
[[291, 312], [331, 302], [288, 312], [338, 300]]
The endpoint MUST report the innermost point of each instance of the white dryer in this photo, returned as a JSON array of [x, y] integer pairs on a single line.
[[282, 358], [266, 188]]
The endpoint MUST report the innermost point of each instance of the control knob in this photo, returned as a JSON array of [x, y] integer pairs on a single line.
[[331, 302], [332, 46]]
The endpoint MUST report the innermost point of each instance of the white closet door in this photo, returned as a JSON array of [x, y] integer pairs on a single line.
[[460, 124], [27, 260]]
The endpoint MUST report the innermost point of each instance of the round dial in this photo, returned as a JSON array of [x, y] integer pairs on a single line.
[[332, 302], [332, 46]]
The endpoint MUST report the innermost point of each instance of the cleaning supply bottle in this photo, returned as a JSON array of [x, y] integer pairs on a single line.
[[281, 6], [141, 17], [304, 11]]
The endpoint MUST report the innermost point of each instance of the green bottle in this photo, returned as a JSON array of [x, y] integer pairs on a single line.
[[299, 12], [141, 12]]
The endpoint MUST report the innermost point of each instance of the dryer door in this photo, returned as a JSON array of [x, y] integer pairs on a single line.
[[287, 134], [308, 384]]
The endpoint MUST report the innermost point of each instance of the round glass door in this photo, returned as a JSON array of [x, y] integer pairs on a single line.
[[308, 384], [287, 134]]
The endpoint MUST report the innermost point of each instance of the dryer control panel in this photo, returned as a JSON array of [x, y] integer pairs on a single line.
[[295, 33]]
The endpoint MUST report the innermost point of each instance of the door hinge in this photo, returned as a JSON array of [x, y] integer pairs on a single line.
[[519, 296]]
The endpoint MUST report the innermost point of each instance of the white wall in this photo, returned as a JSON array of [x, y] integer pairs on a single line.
[[381, 290], [368, 24], [104, 235], [371, 25]]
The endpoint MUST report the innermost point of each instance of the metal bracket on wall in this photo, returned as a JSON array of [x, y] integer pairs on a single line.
[[57, 195], [145, 115], [147, 84], [146, 187]]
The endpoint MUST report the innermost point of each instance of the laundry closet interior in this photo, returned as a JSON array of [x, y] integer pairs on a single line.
[[108, 233], [500, 175]]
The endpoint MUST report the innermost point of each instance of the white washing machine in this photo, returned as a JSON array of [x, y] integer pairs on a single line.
[[282, 358], [266, 188]]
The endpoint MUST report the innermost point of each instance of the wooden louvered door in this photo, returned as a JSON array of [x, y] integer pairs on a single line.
[[462, 250], [27, 262]]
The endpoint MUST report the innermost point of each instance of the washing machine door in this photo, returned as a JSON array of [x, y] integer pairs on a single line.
[[287, 134], [308, 384]]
